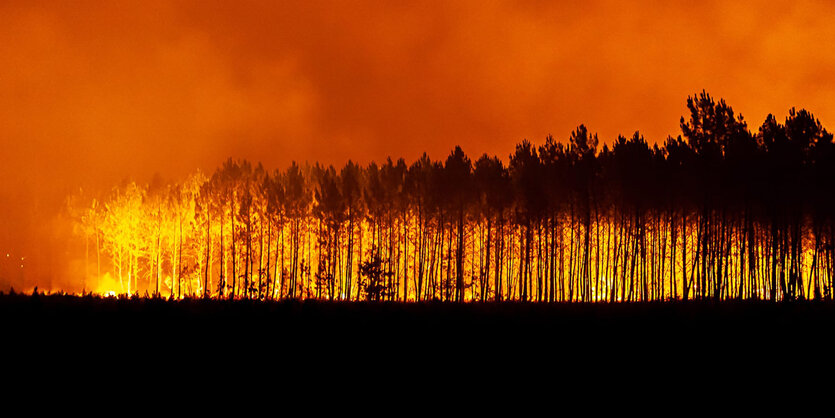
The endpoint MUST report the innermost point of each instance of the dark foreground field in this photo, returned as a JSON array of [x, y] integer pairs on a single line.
[[410, 336], [439, 351]]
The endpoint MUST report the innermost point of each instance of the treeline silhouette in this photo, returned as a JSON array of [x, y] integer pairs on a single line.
[[719, 212]]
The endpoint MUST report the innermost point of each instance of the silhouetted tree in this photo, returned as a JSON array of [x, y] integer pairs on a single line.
[[719, 212]]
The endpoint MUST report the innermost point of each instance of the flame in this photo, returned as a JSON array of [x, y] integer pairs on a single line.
[[107, 286], [159, 244]]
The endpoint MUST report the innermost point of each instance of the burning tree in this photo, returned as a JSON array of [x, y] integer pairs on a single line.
[[719, 212]]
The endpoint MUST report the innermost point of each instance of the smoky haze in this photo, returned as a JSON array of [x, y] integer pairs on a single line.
[[92, 93]]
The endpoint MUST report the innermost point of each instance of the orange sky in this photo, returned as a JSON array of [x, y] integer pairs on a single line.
[[93, 92]]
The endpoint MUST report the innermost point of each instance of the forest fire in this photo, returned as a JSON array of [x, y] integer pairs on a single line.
[[722, 213], [334, 195]]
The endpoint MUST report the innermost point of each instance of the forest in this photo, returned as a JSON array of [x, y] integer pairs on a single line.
[[720, 212]]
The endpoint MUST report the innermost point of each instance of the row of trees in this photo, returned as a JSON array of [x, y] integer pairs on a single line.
[[718, 212]]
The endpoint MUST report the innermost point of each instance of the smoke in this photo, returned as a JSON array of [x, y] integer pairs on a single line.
[[92, 93]]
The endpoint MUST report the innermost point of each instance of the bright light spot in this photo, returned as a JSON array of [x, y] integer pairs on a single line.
[[7, 255], [21, 266], [110, 294]]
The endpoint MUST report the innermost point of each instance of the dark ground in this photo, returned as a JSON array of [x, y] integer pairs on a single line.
[[583, 344], [671, 329]]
